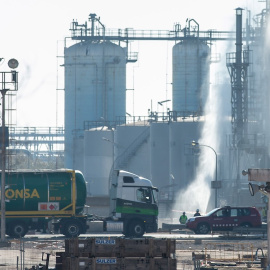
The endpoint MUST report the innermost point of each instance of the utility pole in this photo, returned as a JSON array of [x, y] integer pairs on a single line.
[[3, 182], [9, 81]]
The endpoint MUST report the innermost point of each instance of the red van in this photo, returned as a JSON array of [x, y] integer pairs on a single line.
[[225, 219]]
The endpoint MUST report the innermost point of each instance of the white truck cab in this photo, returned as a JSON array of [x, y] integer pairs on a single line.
[[134, 203]]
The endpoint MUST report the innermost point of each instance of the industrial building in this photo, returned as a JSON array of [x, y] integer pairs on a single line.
[[99, 136]]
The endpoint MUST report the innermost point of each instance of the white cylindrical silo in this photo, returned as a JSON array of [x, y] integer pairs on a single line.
[[160, 155], [98, 161], [182, 159], [132, 149], [190, 76], [95, 88]]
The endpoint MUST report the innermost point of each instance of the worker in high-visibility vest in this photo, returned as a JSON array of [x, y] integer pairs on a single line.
[[183, 218]]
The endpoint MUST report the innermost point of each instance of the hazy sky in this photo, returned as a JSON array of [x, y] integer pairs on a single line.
[[33, 32]]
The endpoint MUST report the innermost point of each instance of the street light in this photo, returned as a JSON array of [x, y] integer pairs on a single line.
[[8, 81], [161, 102], [193, 143]]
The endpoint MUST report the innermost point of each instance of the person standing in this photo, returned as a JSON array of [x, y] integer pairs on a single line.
[[197, 213], [183, 218]]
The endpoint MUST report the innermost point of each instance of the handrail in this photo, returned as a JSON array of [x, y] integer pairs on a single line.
[[118, 163], [131, 148]]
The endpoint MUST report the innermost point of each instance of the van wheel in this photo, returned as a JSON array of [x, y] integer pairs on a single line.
[[72, 228], [17, 230], [136, 229], [203, 228]]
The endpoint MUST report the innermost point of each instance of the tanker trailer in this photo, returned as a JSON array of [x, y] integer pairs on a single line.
[[33, 198]]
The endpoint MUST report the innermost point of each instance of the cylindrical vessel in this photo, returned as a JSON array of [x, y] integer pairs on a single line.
[[191, 67], [95, 83], [98, 160], [95, 88], [159, 139], [182, 159], [131, 149], [28, 190]]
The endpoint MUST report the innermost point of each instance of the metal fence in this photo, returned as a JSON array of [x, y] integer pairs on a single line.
[[229, 252], [23, 254]]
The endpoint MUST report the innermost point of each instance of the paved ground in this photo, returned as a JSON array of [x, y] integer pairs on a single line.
[[28, 252]]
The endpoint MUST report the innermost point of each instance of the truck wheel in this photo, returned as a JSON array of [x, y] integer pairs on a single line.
[[136, 229], [72, 228], [17, 230], [203, 228]]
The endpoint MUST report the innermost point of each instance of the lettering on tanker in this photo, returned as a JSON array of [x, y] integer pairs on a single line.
[[23, 193]]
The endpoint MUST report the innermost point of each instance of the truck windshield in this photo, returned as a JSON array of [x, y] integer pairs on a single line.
[[154, 192], [144, 195]]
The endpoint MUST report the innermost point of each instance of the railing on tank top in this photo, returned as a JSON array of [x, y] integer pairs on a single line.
[[165, 117]]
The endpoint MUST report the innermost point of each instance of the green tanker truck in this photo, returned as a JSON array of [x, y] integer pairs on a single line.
[[33, 198]]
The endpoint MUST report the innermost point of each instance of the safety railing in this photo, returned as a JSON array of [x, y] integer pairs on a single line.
[[229, 252]]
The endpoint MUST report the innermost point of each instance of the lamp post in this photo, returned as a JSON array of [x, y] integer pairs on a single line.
[[161, 104], [193, 143], [163, 101], [9, 81]]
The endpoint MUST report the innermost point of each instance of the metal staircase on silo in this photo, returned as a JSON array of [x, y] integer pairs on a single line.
[[122, 161]]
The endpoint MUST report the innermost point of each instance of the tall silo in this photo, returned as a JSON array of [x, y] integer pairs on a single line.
[[181, 156], [98, 160], [95, 88], [159, 150], [160, 155], [131, 149], [191, 67]]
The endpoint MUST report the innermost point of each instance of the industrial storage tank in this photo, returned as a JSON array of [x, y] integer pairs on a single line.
[[191, 65], [182, 159], [98, 160], [160, 155], [95, 88], [132, 149]]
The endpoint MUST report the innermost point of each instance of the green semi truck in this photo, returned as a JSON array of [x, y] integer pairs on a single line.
[[33, 198]]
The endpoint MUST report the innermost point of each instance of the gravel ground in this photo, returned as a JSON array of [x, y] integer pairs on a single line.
[[25, 254], [226, 252]]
